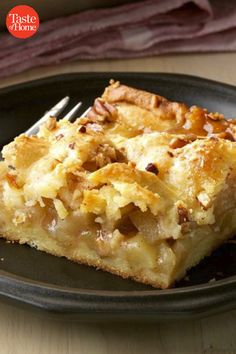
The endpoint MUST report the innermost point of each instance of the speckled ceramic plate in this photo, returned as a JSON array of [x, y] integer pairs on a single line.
[[39, 281]]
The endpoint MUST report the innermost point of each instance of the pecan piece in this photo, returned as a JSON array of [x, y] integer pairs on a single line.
[[82, 129], [182, 215], [51, 123], [177, 143], [152, 168], [72, 146], [170, 153], [11, 179], [59, 137], [103, 109]]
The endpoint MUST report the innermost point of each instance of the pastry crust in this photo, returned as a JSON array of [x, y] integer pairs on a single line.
[[142, 187]]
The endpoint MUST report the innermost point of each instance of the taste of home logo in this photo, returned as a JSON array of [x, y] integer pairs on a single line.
[[22, 21]]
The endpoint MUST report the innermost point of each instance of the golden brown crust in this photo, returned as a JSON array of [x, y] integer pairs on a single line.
[[99, 265], [119, 93], [158, 105], [182, 119]]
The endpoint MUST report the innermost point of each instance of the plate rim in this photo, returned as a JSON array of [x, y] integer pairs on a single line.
[[163, 75]]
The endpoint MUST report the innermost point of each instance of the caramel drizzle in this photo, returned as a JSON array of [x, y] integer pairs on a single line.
[[201, 123]]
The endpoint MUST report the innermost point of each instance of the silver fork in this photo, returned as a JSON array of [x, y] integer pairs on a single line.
[[54, 112]]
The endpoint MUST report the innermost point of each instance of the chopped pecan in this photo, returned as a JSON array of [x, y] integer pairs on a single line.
[[103, 109], [72, 146], [11, 179], [100, 107], [152, 168], [170, 241], [11, 167], [112, 111], [59, 137], [182, 214], [170, 153], [82, 129], [92, 115], [177, 143], [51, 123]]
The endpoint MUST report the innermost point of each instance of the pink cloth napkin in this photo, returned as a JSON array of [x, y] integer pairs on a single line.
[[144, 28]]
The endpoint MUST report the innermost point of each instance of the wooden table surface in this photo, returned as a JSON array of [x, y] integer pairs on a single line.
[[22, 332]]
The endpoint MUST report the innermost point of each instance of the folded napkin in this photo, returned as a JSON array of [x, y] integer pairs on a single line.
[[143, 28]]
